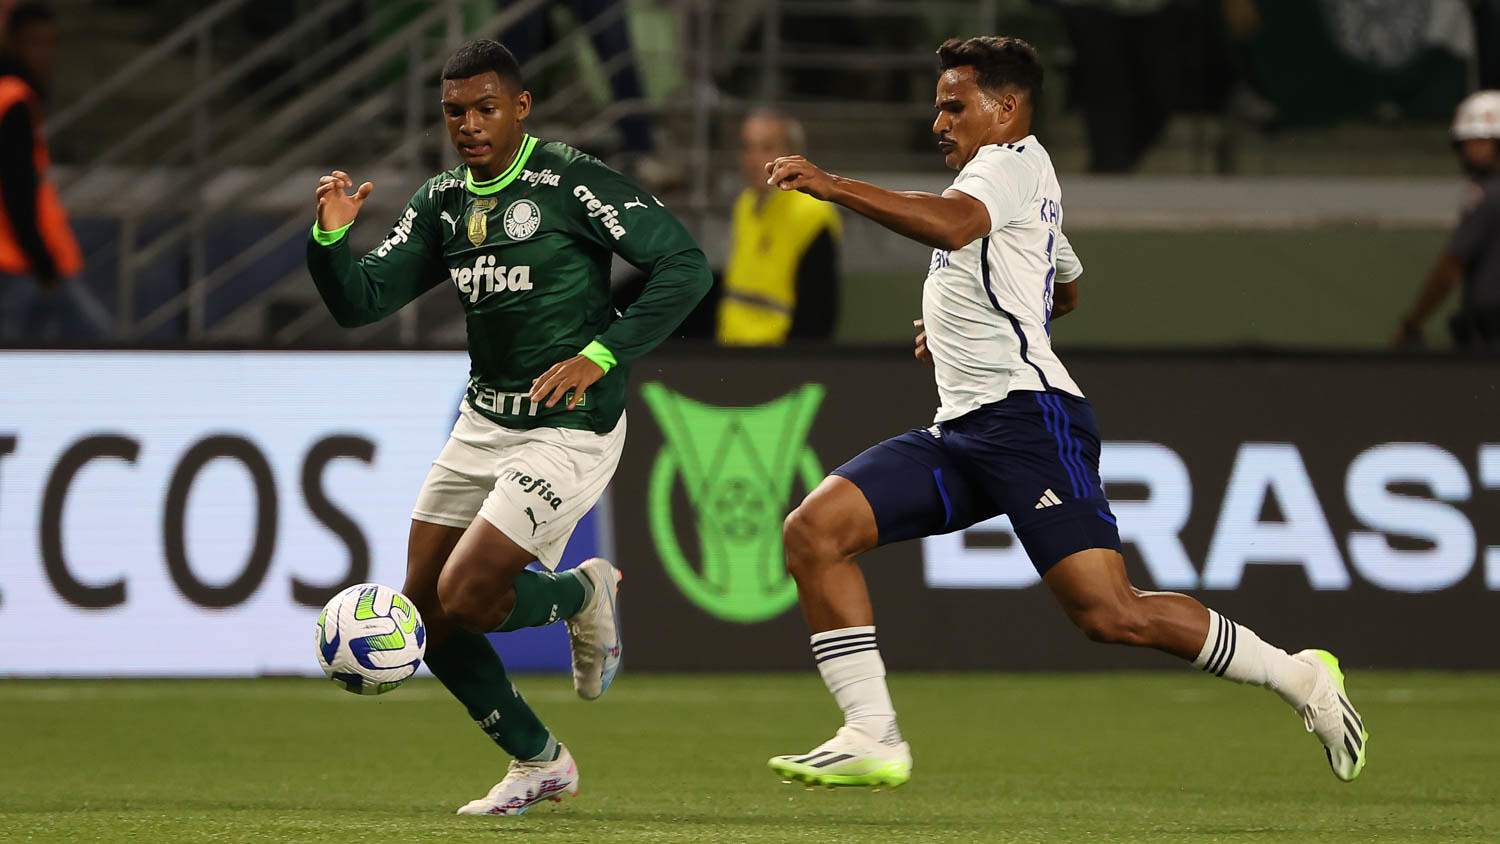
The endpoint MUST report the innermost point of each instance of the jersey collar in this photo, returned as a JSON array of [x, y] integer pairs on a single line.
[[495, 185]]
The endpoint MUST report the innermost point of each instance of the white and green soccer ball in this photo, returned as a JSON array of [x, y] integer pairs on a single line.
[[370, 639]]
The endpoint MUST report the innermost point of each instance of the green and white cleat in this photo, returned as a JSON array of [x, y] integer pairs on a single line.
[[849, 758], [1331, 716]]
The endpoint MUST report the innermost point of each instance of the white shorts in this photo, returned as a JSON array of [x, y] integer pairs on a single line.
[[532, 485]]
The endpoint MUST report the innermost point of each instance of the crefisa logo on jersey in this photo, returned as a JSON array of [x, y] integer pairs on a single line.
[[484, 278], [737, 466], [546, 177], [522, 219], [607, 214], [400, 234]]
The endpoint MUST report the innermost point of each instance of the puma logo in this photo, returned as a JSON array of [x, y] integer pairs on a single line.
[[534, 523], [452, 223], [635, 203]]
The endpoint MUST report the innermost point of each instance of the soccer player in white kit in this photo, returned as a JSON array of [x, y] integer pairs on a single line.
[[1013, 435]]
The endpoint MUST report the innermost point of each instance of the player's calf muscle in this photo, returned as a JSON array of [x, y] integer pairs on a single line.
[[427, 548], [474, 599]]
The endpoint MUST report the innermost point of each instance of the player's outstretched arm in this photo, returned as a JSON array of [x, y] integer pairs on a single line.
[[950, 221], [406, 265]]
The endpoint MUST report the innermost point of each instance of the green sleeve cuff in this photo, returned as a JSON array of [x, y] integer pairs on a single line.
[[596, 352], [323, 238]]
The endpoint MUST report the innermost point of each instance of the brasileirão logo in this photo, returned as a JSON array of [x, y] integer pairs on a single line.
[[737, 465]]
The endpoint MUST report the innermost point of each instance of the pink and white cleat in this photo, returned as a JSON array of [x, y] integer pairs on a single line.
[[527, 784]]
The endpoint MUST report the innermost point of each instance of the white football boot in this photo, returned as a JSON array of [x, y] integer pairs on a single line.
[[594, 632], [527, 784], [849, 758], [1329, 714]]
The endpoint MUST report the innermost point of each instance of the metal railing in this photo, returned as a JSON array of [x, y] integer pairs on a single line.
[[277, 122]]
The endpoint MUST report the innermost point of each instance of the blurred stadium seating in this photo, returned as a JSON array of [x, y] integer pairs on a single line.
[[188, 137]]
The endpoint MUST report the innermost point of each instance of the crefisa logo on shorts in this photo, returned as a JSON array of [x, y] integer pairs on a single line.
[[530, 483], [737, 465]]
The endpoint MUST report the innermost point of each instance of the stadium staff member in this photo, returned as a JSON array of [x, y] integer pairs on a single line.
[[782, 278], [35, 239], [1473, 253]]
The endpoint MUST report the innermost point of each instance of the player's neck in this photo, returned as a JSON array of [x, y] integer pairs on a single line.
[[1009, 135], [502, 162]]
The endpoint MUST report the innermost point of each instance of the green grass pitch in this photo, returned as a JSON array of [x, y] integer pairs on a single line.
[[1170, 756]]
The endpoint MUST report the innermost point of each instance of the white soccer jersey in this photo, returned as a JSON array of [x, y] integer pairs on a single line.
[[987, 307]]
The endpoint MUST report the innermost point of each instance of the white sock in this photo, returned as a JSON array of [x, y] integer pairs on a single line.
[[1234, 652], [854, 672]]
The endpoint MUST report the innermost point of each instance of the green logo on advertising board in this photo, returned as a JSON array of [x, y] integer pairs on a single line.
[[737, 465]]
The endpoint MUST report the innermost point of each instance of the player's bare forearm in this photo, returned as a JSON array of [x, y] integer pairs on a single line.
[[942, 222], [950, 221]]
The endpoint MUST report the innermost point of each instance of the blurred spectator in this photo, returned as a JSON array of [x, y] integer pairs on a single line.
[[1355, 58], [1473, 253], [637, 154], [782, 279], [35, 239], [1487, 37], [1134, 63]]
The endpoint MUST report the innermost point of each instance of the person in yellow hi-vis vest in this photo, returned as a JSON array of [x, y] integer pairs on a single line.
[[782, 278]]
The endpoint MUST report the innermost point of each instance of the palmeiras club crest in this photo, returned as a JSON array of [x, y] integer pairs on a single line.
[[522, 219]]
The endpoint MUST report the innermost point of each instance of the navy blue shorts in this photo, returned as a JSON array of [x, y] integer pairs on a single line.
[[1031, 456]]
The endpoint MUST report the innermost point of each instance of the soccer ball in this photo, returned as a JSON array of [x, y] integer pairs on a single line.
[[370, 639]]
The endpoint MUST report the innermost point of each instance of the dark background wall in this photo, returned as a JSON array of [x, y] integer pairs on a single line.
[[1321, 538]]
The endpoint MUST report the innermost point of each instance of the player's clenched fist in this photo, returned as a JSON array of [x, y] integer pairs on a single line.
[[336, 206], [793, 172], [922, 352]]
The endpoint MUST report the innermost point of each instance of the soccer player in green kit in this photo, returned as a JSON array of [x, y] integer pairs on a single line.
[[524, 229]]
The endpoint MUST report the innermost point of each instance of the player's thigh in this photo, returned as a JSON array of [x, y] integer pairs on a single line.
[[1037, 455], [546, 481], [445, 507], [1090, 581], [428, 547], [914, 488], [462, 475]]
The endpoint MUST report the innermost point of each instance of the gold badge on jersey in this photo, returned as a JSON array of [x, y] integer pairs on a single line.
[[479, 220]]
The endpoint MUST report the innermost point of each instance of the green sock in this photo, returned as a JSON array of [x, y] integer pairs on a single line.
[[543, 597], [473, 672]]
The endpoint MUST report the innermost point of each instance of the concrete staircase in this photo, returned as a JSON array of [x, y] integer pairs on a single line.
[[94, 40]]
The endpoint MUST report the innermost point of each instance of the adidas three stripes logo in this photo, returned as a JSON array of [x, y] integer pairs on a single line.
[[837, 646], [1223, 652]]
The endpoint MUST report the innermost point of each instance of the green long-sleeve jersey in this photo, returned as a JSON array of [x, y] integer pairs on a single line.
[[528, 254]]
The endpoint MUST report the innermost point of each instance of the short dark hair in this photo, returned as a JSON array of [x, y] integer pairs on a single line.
[[483, 55], [26, 13], [998, 62]]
